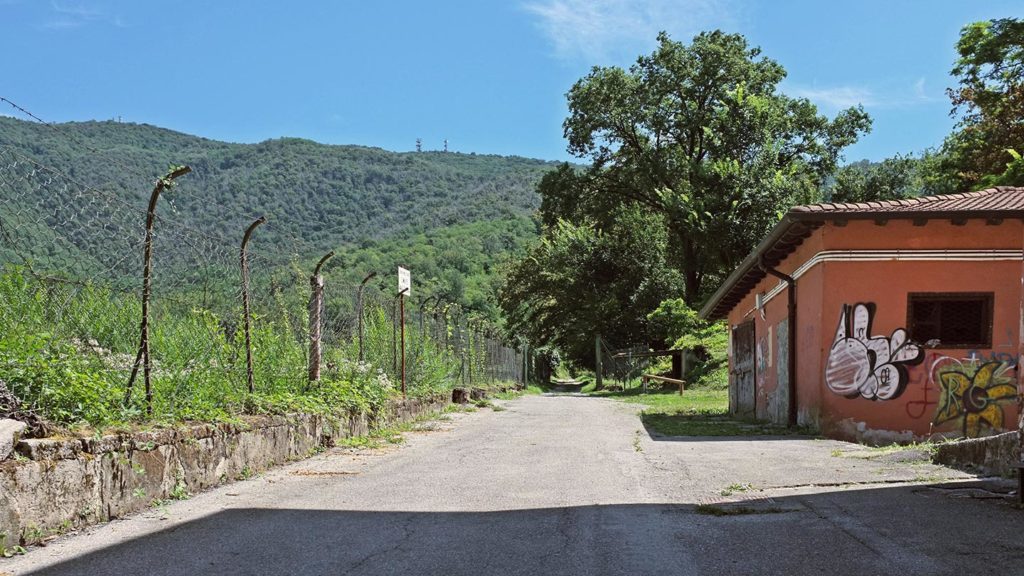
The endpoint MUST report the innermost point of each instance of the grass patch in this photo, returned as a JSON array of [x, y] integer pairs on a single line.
[[711, 402], [690, 424], [929, 448], [736, 487], [512, 394], [699, 412], [914, 452], [716, 510]]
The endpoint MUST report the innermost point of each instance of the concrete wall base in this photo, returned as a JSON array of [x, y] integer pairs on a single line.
[[53, 485], [996, 455]]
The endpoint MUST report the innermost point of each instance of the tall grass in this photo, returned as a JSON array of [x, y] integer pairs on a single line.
[[66, 351]]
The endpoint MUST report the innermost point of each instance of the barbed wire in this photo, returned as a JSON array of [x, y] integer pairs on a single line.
[[71, 255]]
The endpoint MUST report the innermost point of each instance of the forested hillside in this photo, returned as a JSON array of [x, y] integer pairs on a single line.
[[452, 217]]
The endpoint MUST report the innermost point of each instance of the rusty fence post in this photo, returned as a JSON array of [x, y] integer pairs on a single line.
[[401, 320], [147, 288], [245, 302], [316, 307], [394, 337], [470, 354]]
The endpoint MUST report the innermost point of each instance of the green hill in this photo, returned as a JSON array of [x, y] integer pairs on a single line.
[[452, 217]]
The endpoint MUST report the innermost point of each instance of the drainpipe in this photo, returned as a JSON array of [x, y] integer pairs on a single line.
[[791, 297]]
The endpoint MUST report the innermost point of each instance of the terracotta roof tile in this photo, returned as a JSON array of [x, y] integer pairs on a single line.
[[1000, 202], [1002, 198]]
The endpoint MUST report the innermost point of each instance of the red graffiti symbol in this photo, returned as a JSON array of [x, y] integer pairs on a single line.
[[918, 408]]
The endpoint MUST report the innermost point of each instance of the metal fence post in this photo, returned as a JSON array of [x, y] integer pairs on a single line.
[[401, 320], [316, 306], [245, 302], [359, 311], [147, 286]]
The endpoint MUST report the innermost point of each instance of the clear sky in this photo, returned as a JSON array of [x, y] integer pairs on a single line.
[[490, 76]]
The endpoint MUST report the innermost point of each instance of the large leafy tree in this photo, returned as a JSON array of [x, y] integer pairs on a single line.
[[590, 278], [864, 181], [700, 135], [989, 101]]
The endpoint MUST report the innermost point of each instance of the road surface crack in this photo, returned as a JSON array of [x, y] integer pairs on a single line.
[[408, 532]]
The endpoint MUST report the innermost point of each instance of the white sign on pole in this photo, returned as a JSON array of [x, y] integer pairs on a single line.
[[404, 281]]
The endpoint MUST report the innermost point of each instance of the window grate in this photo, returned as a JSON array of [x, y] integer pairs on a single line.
[[954, 319]]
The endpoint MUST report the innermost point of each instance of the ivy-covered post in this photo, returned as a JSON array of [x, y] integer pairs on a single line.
[[245, 302], [147, 287]]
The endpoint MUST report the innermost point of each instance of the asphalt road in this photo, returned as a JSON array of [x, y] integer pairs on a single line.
[[567, 485]]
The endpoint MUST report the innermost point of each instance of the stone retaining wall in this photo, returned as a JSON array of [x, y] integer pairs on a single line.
[[997, 455], [52, 485]]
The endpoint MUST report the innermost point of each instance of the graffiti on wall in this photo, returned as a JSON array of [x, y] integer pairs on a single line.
[[974, 394], [860, 364], [922, 381]]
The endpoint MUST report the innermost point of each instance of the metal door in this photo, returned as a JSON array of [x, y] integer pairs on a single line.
[[743, 370]]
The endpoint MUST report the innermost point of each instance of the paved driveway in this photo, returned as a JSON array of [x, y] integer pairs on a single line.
[[568, 485]]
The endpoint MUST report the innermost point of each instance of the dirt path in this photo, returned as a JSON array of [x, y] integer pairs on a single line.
[[565, 485]]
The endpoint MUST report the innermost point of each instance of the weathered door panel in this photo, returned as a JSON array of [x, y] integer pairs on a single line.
[[743, 349]]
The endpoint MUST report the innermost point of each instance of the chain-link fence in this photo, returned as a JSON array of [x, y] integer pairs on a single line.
[[81, 265]]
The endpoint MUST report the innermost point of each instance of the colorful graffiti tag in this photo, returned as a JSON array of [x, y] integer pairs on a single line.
[[872, 367], [974, 394]]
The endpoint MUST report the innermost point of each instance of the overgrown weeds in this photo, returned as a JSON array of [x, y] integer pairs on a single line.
[[66, 352]]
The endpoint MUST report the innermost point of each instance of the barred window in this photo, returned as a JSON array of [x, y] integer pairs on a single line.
[[954, 319]]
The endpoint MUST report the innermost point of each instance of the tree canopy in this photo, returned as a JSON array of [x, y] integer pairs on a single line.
[[591, 278], [693, 154], [700, 134], [989, 101]]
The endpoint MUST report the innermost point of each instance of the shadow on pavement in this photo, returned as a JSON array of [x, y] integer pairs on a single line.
[[891, 530], [685, 427]]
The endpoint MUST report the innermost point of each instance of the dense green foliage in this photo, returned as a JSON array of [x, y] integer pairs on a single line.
[[70, 363], [591, 277], [327, 196], [989, 101], [708, 342], [693, 154], [700, 134], [866, 181], [451, 218], [460, 263], [72, 208], [984, 149]]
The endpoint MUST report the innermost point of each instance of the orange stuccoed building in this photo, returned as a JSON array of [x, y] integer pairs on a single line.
[[882, 321]]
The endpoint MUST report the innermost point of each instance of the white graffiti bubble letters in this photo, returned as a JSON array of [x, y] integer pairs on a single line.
[[863, 365]]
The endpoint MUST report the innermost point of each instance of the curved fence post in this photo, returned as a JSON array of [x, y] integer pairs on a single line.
[[245, 301], [147, 285], [316, 306]]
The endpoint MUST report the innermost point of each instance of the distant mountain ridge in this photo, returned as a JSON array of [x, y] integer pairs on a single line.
[[327, 194], [375, 206]]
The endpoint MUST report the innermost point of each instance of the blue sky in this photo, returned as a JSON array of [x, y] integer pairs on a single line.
[[489, 76]]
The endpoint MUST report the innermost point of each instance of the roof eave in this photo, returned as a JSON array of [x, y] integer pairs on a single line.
[[752, 259], [817, 218]]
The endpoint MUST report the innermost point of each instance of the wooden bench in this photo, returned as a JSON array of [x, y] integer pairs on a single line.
[[648, 377]]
